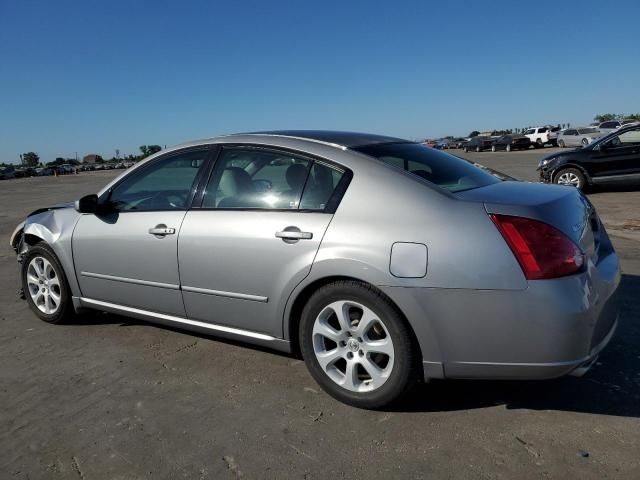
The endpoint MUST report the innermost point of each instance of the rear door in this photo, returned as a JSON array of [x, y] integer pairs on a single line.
[[255, 236]]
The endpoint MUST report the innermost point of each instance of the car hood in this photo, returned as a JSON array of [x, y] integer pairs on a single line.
[[57, 206]]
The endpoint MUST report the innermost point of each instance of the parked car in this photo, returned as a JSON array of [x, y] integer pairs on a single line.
[[443, 144], [539, 136], [612, 158], [430, 143], [7, 172], [511, 142], [459, 142], [43, 172], [608, 127], [302, 240], [478, 144], [578, 137], [553, 135]]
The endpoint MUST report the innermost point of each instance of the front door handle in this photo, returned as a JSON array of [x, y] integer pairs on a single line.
[[293, 234], [162, 230]]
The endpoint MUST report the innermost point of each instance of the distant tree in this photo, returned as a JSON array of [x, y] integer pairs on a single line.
[[149, 150], [475, 133], [607, 117], [57, 161], [634, 116], [30, 159], [568, 125]]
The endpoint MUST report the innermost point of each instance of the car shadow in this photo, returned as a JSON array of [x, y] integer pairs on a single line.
[[611, 387]]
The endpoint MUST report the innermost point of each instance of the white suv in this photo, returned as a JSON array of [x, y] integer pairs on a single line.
[[539, 136]]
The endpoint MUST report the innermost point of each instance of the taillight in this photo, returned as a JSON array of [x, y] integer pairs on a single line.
[[542, 250]]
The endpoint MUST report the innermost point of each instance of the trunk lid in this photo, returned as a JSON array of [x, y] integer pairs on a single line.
[[564, 208]]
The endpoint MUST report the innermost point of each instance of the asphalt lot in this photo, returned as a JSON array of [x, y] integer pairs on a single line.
[[117, 398]]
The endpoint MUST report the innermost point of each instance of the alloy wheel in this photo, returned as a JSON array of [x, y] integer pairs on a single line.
[[353, 346], [43, 283], [569, 179]]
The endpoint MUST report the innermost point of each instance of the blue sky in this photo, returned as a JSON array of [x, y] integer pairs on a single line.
[[93, 76]]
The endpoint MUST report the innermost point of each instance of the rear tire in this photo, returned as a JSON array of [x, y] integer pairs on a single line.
[[493, 148], [539, 144], [466, 149], [367, 365], [477, 149], [561, 143], [570, 177], [45, 285], [508, 149], [585, 142]]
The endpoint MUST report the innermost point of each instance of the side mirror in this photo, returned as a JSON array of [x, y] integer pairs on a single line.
[[87, 204]]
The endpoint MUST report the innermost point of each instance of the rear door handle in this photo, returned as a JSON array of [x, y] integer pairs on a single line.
[[162, 230], [294, 234]]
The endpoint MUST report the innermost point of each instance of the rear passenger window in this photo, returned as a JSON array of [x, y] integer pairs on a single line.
[[320, 186], [260, 179], [256, 179]]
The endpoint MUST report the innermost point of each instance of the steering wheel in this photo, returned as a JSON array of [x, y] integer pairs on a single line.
[[164, 199]]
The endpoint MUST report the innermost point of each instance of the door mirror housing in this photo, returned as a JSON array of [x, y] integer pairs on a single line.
[[87, 204]]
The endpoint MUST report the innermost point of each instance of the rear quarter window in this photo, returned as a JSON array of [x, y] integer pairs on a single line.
[[442, 169]]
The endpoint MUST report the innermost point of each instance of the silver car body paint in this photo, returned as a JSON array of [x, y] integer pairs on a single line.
[[474, 313]]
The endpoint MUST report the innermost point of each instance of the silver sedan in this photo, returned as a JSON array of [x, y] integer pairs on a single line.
[[578, 137], [381, 261]]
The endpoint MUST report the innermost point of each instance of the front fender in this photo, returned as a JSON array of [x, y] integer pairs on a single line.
[[55, 227], [570, 165]]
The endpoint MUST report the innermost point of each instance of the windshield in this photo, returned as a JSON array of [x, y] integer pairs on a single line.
[[584, 131], [447, 171]]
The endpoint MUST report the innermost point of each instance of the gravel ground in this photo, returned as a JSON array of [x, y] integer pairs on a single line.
[[117, 398]]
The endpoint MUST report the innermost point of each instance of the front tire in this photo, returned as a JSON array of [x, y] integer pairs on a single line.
[[45, 285], [508, 147], [561, 143], [493, 148], [477, 149], [357, 345], [571, 177]]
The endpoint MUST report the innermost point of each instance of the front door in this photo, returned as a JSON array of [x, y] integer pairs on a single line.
[[619, 156], [262, 219], [128, 255]]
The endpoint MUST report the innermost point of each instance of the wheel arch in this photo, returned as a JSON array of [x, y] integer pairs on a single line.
[[571, 165], [293, 317]]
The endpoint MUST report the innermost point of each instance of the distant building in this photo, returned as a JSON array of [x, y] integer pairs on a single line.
[[91, 158], [485, 134]]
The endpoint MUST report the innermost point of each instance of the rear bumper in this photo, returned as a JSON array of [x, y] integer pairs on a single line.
[[548, 330]]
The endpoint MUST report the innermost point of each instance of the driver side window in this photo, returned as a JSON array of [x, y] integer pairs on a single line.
[[626, 139], [165, 184]]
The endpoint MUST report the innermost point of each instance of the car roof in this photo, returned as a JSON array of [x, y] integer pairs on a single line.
[[336, 137], [333, 138]]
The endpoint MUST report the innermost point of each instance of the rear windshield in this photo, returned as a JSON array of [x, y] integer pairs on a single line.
[[447, 171]]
